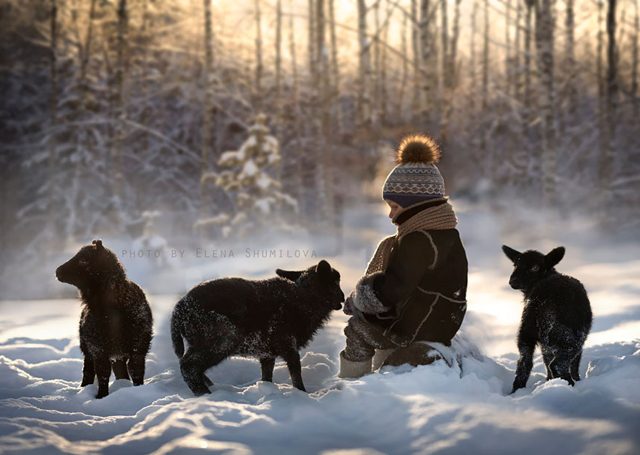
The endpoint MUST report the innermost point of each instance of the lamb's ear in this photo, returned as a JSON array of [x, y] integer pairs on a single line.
[[288, 274], [323, 268], [98, 244], [511, 253], [554, 256]]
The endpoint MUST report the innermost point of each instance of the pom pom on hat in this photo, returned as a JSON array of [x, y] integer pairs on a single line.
[[415, 178], [418, 148]]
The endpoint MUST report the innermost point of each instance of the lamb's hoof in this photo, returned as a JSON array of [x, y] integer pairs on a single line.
[[207, 381], [199, 391], [515, 389]]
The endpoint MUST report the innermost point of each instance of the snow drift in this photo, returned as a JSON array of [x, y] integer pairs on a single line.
[[431, 409]]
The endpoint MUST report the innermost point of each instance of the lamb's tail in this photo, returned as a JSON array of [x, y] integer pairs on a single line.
[[176, 330]]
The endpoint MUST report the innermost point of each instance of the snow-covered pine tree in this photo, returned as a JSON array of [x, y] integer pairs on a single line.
[[258, 202]]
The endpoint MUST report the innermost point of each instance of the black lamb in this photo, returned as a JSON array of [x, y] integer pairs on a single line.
[[556, 315], [116, 322], [269, 318]]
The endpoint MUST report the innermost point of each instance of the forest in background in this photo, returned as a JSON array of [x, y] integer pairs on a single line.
[[114, 112]]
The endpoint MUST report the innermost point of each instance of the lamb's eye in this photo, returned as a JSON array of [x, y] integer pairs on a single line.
[[83, 262], [535, 268]]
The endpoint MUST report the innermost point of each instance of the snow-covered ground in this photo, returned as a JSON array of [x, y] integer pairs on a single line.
[[431, 409]]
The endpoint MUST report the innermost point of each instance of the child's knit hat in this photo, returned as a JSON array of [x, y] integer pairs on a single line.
[[416, 177]]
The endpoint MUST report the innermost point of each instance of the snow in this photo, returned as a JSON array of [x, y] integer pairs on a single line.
[[250, 169], [434, 409]]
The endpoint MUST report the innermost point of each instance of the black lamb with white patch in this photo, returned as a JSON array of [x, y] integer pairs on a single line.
[[557, 315], [116, 324], [269, 318]]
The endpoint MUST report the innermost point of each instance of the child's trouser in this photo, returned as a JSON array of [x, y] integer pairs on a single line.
[[363, 340], [364, 343]]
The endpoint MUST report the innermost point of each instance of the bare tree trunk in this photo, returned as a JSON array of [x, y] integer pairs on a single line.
[[485, 59], [520, 156], [435, 58], [472, 45], [278, 119], [145, 71], [572, 95], [451, 77], [299, 151], [208, 105], [544, 48], [323, 73], [383, 68], [259, 65], [444, 30], [426, 64], [118, 178], [310, 181], [311, 44], [375, 80], [517, 77], [84, 51], [296, 100], [53, 109], [335, 70], [453, 65], [526, 112], [485, 75], [444, 78], [508, 69], [364, 99], [634, 64], [607, 161], [292, 51], [415, 46], [599, 75], [405, 67]]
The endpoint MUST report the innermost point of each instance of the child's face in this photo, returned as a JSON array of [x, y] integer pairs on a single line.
[[395, 208]]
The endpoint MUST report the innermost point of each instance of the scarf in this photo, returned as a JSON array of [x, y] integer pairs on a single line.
[[434, 218]]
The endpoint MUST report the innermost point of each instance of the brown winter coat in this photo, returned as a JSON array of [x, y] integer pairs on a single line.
[[421, 293]]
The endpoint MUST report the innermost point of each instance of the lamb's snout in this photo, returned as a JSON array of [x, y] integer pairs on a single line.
[[515, 283], [60, 273], [338, 305]]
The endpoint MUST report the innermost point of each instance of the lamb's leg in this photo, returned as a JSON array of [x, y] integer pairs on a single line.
[[136, 368], [102, 366], [192, 369], [266, 365], [193, 365], [120, 369], [525, 363], [575, 366], [547, 358], [561, 365], [213, 359], [295, 369], [88, 371]]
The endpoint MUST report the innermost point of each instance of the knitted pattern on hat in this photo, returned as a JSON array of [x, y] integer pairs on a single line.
[[416, 177]]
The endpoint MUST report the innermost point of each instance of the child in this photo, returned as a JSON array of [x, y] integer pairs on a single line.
[[414, 289]]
